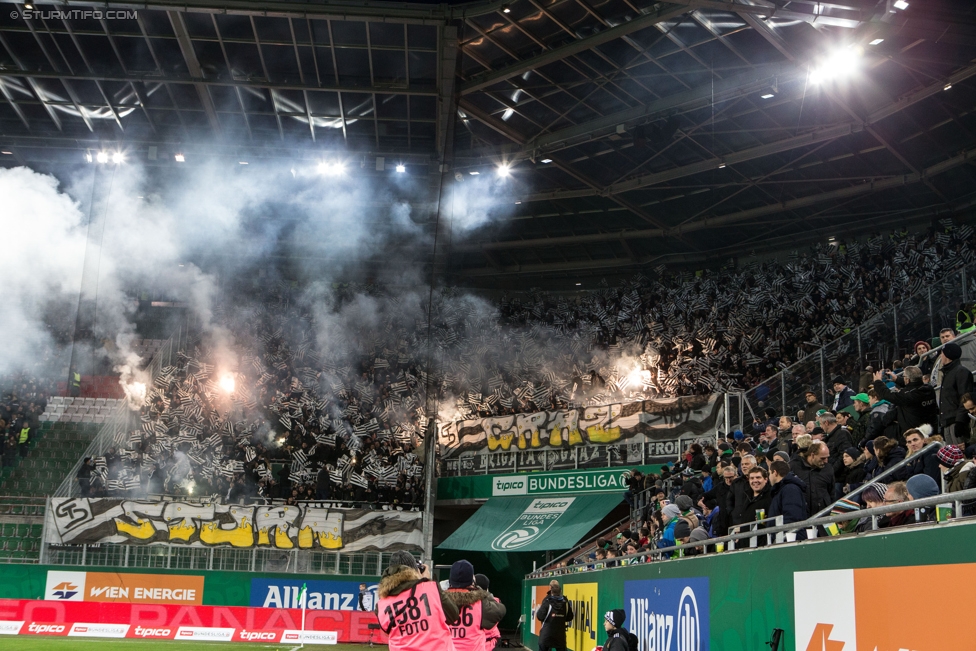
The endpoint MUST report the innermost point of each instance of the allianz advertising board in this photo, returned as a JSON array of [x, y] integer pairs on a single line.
[[592, 481], [322, 595], [668, 614]]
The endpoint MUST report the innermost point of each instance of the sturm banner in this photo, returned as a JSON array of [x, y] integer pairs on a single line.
[[647, 421], [77, 521]]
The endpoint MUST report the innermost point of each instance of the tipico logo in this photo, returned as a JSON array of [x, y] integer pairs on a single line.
[[537, 518]]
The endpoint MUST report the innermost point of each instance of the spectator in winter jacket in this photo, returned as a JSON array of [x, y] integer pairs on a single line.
[[920, 463], [957, 380], [843, 395], [854, 472], [915, 404], [969, 404], [889, 454], [618, 637], [815, 471], [881, 418], [811, 406], [720, 494], [954, 467], [788, 495], [837, 439], [851, 420]]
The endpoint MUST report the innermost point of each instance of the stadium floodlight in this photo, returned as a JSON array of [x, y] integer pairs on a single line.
[[721, 166], [474, 172], [331, 169], [841, 63], [506, 9], [947, 86], [118, 158], [901, 4], [546, 161], [767, 96], [877, 41], [102, 157], [88, 156], [401, 169], [504, 170], [180, 158]]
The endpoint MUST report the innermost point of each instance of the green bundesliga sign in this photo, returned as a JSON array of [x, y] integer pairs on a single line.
[[587, 481]]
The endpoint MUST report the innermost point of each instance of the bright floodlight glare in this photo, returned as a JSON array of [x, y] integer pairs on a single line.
[[947, 87], [877, 41], [227, 383], [901, 4], [180, 158], [474, 172], [117, 158], [88, 156], [546, 161], [331, 169], [841, 63], [102, 157], [401, 169], [767, 96], [504, 170]]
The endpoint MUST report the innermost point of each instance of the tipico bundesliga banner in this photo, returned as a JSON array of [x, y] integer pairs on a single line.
[[171, 622]]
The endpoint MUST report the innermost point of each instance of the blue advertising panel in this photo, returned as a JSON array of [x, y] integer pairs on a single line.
[[668, 614], [322, 595]]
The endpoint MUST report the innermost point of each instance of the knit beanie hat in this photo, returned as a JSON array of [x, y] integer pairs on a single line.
[[949, 456], [920, 486], [617, 616], [952, 351], [874, 492]]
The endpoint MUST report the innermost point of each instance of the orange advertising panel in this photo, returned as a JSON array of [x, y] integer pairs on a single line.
[[539, 593], [122, 587], [853, 609], [882, 622]]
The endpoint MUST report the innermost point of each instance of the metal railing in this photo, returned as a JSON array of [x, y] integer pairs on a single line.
[[928, 449], [781, 534], [878, 340], [182, 557], [582, 547]]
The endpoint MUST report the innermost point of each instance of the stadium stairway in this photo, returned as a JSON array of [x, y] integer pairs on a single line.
[[53, 453]]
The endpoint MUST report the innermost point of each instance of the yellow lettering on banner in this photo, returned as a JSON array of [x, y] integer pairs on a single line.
[[263, 538], [240, 536], [503, 441], [282, 541], [575, 438], [555, 438], [598, 434], [182, 530], [305, 538], [141, 530], [330, 540]]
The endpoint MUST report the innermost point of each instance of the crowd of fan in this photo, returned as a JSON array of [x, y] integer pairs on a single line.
[[698, 332], [207, 431], [23, 398], [807, 466]]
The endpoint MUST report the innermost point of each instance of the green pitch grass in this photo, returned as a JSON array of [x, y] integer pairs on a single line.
[[44, 643]]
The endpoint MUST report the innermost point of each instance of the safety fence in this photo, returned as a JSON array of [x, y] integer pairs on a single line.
[[878, 341], [180, 557]]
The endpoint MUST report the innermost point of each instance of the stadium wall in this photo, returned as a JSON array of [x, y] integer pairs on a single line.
[[853, 591], [219, 588], [184, 605]]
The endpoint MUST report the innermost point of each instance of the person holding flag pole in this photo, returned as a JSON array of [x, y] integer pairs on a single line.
[[302, 598]]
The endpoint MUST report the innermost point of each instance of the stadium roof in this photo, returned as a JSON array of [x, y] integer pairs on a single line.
[[638, 133]]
